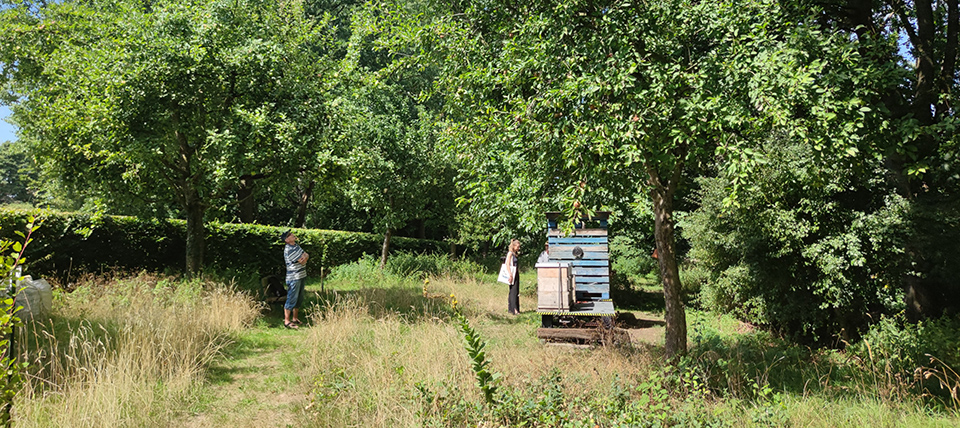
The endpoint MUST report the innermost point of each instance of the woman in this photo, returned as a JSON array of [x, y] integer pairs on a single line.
[[513, 301]]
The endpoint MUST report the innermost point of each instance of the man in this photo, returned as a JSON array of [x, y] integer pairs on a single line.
[[296, 260], [545, 255]]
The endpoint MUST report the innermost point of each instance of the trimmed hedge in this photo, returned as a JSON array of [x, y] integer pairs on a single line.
[[71, 243]]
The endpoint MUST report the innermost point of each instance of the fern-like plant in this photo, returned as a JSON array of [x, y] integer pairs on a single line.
[[486, 380]]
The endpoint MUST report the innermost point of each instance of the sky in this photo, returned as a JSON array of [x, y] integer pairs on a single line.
[[6, 130]]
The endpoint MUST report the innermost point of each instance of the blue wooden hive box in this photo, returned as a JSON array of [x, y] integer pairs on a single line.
[[586, 250]]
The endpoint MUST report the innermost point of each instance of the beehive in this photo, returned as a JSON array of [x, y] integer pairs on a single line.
[[555, 289], [587, 252]]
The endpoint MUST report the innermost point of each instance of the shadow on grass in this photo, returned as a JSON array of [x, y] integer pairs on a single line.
[[744, 364], [644, 299], [222, 370], [401, 300], [530, 317]]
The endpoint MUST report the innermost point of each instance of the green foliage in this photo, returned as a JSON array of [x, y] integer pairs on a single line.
[[694, 277], [474, 344], [810, 252], [580, 106], [900, 355], [932, 245], [427, 265], [10, 369], [17, 174], [632, 257], [167, 107], [666, 397], [72, 244]]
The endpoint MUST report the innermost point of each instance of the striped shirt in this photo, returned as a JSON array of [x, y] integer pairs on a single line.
[[295, 270]]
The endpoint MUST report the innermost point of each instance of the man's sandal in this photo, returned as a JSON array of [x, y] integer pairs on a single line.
[[290, 325]]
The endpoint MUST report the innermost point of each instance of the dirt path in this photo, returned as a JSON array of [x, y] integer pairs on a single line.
[[256, 383]]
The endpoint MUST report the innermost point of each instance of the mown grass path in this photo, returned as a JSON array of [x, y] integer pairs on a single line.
[[257, 382], [259, 379]]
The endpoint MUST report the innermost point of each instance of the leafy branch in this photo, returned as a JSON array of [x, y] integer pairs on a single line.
[[9, 264]]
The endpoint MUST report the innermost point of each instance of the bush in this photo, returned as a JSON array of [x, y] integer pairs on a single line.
[[901, 355], [899, 346], [70, 244], [423, 265], [632, 257], [693, 277], [811, 251]]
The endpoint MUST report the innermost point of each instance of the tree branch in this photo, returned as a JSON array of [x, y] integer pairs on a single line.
[[948, 67]]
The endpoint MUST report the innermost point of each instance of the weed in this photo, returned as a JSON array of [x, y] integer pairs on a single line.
[[474, 345]]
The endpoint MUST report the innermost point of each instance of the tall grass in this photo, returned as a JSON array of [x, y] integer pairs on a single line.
[[374, 362], [386, 348], [125, 352]]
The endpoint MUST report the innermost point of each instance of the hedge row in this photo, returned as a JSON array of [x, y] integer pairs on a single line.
[[71, 244]]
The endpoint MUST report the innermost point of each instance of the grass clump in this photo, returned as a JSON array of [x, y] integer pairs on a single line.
[[126, 351]]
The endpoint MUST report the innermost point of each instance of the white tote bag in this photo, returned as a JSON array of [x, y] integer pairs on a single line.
[[504, 275]]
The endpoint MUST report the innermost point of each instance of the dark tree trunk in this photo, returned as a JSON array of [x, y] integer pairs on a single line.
[[302, 206], [386, 247], [675, 340], [421, 226], [245, 199], [187, 184], [195, 231]]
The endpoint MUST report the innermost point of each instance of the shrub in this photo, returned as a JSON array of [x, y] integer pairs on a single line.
[[900, 355], [423, 265], [73, 243], [693, 277], [632, 257], [811, 251]]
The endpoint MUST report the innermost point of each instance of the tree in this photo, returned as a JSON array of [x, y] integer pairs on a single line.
[[911, 47], [168, 101], [393, 171], [392, 167], [17, 174], [610, 102]]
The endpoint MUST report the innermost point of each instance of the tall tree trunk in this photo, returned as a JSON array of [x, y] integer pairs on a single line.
[[662, 191], [193, 204], [195, 231], [675, 340], [245, 198], [386, 247], [302, 206]]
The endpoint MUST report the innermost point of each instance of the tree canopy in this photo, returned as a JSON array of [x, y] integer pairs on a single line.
[[169, 102], [804, 151], [599, 104]]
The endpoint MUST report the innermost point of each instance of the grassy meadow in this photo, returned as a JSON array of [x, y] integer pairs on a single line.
[[384, 348]]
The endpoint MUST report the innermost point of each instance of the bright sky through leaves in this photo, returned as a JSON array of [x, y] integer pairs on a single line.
[[7, 131]]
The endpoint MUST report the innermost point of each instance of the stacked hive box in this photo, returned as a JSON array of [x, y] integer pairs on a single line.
[[586, 252]]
